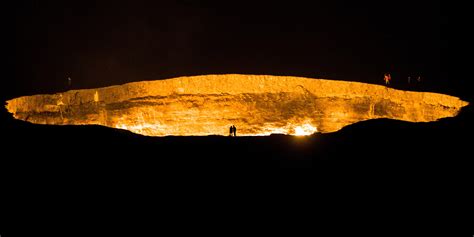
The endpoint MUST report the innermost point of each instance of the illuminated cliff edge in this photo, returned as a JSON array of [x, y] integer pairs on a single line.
[[255, 104]]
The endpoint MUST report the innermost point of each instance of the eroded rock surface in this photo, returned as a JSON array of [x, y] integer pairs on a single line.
[[255, 104]]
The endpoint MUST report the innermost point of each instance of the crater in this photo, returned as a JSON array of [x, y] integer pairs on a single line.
[[256, 104]]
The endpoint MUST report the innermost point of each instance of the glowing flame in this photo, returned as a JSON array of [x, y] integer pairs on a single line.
[[258, 105], [161, 130], [304, 130]]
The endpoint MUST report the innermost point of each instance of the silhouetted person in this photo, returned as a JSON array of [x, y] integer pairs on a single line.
[[235, 130], [231, 130]]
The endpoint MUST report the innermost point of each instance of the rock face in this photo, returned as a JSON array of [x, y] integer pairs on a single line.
[[255, 104]]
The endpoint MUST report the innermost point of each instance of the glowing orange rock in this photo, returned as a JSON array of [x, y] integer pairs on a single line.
[[255, 104]]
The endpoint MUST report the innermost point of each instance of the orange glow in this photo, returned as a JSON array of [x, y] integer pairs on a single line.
[[160, 130], [304, 130], [258, 105]]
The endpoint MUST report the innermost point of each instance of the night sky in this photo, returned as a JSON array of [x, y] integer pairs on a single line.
[[114, 42]]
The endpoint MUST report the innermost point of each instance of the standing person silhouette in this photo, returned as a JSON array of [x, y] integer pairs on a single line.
[[231, 130], [235, 130], [387, 78]]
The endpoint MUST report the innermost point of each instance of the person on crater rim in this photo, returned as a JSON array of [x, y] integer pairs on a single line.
[[387, 78]]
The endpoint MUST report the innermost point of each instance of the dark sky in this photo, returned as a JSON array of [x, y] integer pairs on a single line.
[[111, 42]]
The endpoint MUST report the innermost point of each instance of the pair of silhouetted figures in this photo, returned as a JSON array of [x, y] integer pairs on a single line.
[[233, 131], [418, 80]]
